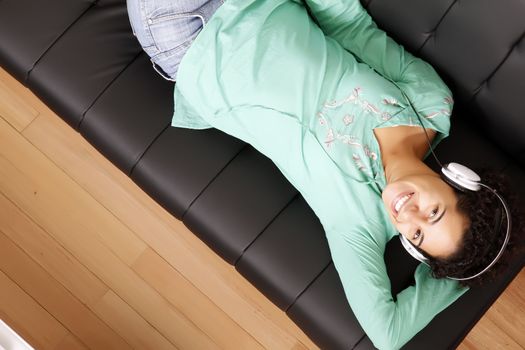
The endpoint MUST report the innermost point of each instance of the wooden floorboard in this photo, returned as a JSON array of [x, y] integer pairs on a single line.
[[89, 261]]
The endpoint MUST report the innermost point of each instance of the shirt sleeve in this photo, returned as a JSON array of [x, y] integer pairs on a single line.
[[352, 27], [358, 259]]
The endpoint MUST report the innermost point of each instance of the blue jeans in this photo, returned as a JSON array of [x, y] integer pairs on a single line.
[[166, 28]]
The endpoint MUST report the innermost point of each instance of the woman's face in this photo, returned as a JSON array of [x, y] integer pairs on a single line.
[[423, 208]]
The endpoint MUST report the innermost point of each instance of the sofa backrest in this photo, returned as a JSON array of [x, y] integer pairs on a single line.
[[478, 47]]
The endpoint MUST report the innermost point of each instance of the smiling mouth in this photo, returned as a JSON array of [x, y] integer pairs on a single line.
[[399, 202]]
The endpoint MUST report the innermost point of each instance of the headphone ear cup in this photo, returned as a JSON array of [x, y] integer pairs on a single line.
[[412, 250], [452, 183], [461, 177]]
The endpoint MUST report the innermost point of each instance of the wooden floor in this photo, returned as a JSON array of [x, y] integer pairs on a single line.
[[89, 261]]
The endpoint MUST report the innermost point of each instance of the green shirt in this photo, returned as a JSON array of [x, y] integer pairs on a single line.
[[308, 97]]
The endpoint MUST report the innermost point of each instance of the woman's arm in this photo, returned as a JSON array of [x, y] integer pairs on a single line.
[[349, 23], [389, 324]]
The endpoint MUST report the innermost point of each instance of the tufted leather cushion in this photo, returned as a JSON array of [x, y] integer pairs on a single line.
[[81, 58], [479, 48]]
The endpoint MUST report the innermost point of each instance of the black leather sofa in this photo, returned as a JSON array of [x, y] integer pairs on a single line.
[[80, 57]]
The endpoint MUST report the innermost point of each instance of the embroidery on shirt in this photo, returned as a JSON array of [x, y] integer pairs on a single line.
[[444, 112], [390, 101], [358, 162], [356, 99], [369, 153], [449, 101], [361, 150], [348, 119], [332, 134], [329, 138], [355, 142], [349, 139]]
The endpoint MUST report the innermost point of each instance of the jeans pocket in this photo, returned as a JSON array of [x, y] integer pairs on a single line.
[[171, 30], [167, 63]]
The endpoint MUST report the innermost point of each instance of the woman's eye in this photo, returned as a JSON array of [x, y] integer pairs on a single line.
[[417, 234], [434, 212]]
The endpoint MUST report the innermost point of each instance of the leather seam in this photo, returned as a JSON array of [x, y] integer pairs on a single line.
[[265, 227], [434, 30], [309, 284], [146, 149], [495, 70], [211, 181], [26, 78], [359, 341], [83, 115]]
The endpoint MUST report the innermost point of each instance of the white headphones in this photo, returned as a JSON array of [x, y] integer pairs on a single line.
[[464, 179]]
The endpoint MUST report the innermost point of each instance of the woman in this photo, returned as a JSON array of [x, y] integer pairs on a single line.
[[332, 101]]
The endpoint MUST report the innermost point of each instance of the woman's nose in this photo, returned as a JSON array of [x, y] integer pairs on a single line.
[[412, 213]]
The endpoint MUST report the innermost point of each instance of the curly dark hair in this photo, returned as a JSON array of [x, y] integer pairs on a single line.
[[480, 244]]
